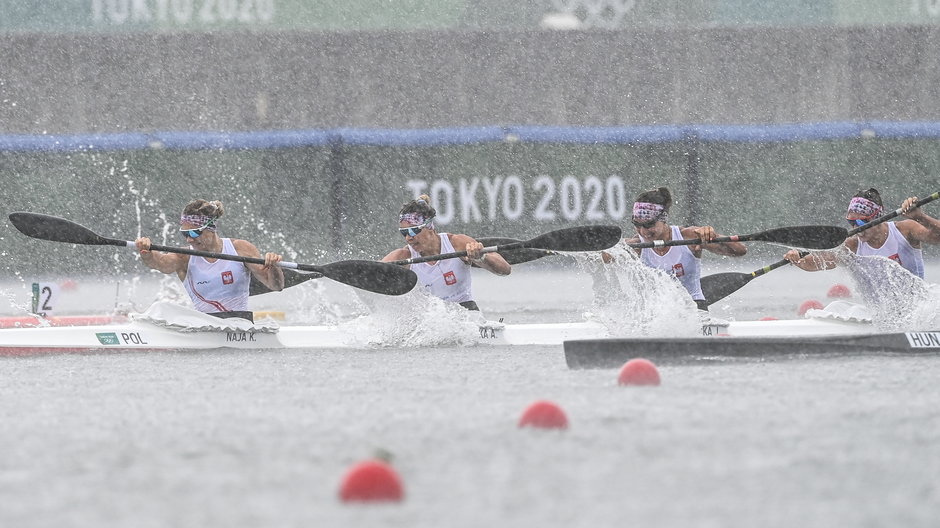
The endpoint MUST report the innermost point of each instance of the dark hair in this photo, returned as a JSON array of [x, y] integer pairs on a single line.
[[211, 209], [660, 196], [870, 194], [420, 205]]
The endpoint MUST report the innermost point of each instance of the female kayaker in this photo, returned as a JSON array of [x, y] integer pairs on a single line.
[[650, 218], [448, 279], [218, 287], [898, 241]]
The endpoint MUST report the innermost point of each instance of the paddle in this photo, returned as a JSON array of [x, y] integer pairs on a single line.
[[512, 256], [720, 285], [515, 256], [894, 214], [583, 238], [291, 278], [368, 275], [809, 237]]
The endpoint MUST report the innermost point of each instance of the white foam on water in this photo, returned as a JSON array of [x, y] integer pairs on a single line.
[[633, 299], [416, 319], [897, 299]]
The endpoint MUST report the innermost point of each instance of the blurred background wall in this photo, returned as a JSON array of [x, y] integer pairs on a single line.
[[315, 120]]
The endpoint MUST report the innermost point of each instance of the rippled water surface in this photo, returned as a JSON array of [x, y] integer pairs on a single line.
[[263, 438]]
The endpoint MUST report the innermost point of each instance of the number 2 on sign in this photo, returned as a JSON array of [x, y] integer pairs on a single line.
[[44, 297]]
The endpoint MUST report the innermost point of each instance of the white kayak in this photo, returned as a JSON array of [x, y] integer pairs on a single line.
[[170, 327]]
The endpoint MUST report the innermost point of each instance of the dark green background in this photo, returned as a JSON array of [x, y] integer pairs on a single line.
[[282, 199]]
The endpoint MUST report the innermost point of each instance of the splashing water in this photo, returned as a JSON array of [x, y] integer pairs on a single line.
[[631, 299], [898, 300], [416, 319]]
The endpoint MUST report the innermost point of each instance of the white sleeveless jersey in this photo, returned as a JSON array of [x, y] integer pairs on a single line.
[[220, 286], [679, 262], [448, 279], [896, 248]]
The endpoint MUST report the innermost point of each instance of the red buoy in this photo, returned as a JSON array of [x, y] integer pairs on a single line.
[[638, 371], [839, 291], [544, 415], [371, 481], [811, 304]]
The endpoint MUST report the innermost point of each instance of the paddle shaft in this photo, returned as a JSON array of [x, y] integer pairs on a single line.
[[811, 237], [779, 264], [455, 254], [690, 241], [894, 214], [720, 285], [225, 256], [582, 238]]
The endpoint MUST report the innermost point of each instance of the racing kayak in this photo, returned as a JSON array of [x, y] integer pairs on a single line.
[[165, 326], [614, 353]]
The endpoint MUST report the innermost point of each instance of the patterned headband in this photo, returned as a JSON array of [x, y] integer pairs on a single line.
[[199, 220], [414, 219], [864, 207], [648, 212]]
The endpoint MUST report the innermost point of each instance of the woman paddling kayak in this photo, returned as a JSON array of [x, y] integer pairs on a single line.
[[899, 241], [448, 279], [217, 287], [650, 215]]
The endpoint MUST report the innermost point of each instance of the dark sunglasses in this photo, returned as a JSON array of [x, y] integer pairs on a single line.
[[644, 225], [858, 222], [413, 230]]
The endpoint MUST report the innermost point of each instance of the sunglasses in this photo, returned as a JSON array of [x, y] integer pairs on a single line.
[[644, 225], [858, 222], [413, 230], [194, 233]]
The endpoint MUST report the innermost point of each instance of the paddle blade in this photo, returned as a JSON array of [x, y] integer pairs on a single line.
[[378, 277], [809, 237], [720, 285], [57, 229], [514, 256], [291, 278], [583, 238]]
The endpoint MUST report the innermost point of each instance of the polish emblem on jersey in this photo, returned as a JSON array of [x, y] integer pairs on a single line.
[[227, 277], [450, 278], [678, 270]]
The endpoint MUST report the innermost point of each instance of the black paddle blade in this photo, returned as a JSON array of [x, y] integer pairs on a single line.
[[809, 237], [514, 256], [378, 277], [584, 238], [720, 285], [57, 229], [291, 278]]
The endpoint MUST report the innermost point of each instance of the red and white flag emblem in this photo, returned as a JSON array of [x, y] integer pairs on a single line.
[[227, 277], [450, 279], [678, 270]]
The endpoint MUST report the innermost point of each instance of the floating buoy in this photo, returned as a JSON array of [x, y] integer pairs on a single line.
[[811, 304], [638, 371], [839, 291], [371, 481], [68, 285], [544, 415]]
